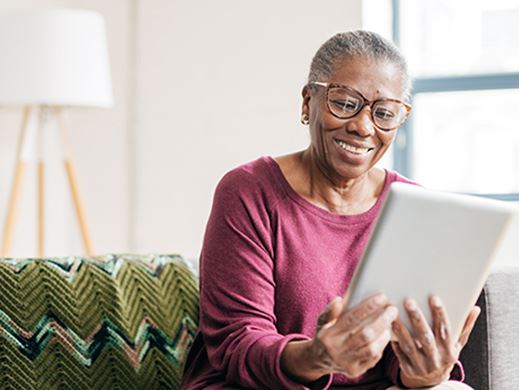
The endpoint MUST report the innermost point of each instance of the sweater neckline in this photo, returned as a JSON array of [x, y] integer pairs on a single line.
[[363, 217]]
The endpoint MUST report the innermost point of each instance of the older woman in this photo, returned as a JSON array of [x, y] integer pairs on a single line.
[[285, 236]]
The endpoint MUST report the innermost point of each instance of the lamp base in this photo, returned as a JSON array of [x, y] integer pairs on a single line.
[[20, 168]]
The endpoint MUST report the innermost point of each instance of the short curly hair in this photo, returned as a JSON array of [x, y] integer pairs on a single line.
[[353, 44]]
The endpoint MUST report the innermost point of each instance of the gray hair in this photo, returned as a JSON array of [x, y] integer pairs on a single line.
[[353, 44]]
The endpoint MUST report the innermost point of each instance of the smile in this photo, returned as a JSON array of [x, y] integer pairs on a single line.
[[351, 148]]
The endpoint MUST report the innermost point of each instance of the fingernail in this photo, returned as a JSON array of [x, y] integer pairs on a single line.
[[411, 304], [436, 301]]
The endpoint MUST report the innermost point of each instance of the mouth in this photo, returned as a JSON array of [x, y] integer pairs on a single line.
[[356, 149]]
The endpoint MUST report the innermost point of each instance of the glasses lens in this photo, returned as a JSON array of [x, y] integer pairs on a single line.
[[344, 103], [388, 114]]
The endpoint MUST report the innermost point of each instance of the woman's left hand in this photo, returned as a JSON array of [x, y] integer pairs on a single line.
[[428, 358]]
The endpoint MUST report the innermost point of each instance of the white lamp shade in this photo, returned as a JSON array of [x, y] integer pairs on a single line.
[[54, 57]]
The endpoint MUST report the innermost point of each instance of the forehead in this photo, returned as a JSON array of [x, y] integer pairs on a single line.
[[374, 79]]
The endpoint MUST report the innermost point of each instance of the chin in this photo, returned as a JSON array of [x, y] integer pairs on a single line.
[[351, 172]]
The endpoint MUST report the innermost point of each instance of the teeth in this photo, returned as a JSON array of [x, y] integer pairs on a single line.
[[352, 148]]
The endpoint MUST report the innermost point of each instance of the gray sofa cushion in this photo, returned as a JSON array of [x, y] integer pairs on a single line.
[[503, 328], [491, 357]]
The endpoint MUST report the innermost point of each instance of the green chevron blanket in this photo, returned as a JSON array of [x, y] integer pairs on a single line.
[[111, 322]]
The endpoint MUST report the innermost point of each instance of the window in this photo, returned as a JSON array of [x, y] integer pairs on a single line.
[[463, 134], [461, 37], [476, 150]]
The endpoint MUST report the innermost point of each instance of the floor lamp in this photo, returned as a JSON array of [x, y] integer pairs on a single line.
[[51, 61]]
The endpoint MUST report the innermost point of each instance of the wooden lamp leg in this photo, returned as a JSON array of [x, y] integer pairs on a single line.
[[74, 187], [41, 181], [16, 187], [41, 207]]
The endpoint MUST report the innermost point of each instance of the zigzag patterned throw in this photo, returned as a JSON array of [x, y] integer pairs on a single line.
[[110, 322]]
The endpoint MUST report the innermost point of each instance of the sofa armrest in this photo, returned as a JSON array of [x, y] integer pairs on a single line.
[[492, 353]]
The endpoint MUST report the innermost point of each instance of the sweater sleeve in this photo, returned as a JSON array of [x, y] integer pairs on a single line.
[[237, 289]]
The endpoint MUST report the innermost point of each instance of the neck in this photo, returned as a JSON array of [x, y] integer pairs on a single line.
[[340, 195]]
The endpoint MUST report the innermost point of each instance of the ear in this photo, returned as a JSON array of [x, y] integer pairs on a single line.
[[305, 93]]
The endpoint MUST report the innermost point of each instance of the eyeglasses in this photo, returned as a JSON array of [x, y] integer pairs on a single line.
[[345, 102]]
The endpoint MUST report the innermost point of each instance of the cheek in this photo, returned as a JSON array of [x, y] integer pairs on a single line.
[[324, 127], [320, 139], [386, 139], [321, 118]]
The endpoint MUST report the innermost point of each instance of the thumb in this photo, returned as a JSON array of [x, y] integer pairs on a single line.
[[330, 313]]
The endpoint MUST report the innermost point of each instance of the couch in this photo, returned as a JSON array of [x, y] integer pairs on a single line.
[[127, 322], [491, 357], [107, 322]]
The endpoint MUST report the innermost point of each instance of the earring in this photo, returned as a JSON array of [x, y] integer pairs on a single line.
[[304, 119]]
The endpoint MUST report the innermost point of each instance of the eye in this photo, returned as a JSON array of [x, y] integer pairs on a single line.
[[384, 113], [346, 104]]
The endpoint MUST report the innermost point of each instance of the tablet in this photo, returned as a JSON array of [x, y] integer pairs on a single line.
[[430, 242]]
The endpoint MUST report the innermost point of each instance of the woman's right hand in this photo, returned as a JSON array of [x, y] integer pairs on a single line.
[[352, 341]]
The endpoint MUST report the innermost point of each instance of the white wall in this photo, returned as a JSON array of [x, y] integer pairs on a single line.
[[99, 144], [219, 84], [199, 87]]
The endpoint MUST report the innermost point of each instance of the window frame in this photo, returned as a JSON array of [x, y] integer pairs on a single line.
[[403, 147]]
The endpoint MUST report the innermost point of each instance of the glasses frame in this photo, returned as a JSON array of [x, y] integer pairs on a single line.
[[365, 103]]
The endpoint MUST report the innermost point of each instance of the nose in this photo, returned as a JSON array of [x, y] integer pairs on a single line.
[[361, 123]]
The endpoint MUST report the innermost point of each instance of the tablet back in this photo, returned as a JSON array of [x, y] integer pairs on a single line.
[[429, 242]]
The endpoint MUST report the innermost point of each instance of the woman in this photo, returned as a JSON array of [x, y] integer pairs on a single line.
[[284, 238]]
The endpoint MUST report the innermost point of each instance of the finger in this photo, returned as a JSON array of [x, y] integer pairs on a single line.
[[468, 326], [408, 346], [330, 313], [403, 360], [352, 318], [369, 355], [424, 337], [373, 327], [441, 324]]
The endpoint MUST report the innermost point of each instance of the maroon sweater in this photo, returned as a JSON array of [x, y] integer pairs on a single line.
[[270, 263]]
